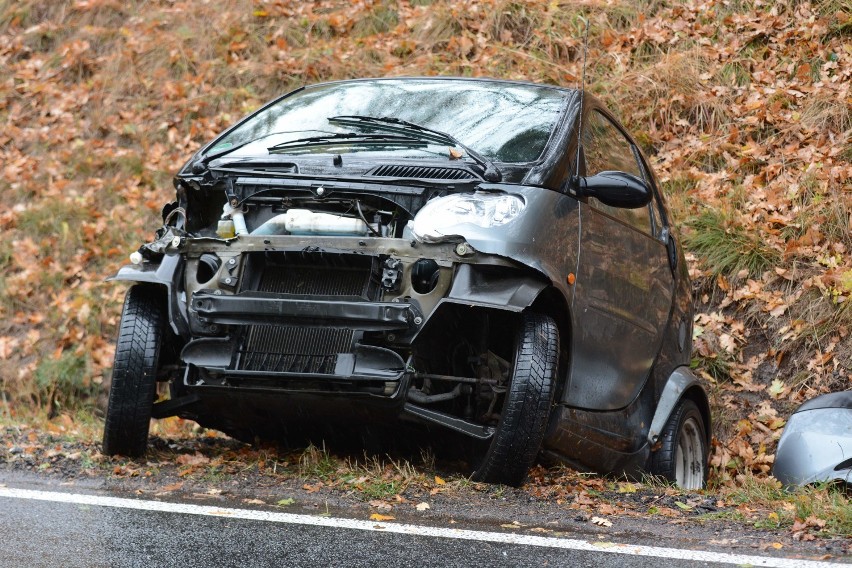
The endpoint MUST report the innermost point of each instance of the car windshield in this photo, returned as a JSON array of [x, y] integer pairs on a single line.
[[505, 122]]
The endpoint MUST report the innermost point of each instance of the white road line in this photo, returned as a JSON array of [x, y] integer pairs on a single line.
[[407, 529]]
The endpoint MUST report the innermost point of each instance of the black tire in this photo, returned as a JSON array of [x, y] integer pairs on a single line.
[[134, 372], [682, 456], [527, 405]]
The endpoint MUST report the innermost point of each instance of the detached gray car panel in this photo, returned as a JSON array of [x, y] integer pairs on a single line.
[[816, 445], [489, 262]]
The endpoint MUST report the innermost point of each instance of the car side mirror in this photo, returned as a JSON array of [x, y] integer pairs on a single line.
[[616, 189]]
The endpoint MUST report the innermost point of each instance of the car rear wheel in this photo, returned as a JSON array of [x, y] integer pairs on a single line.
[[134, 372], [527, 404], [682, 456]]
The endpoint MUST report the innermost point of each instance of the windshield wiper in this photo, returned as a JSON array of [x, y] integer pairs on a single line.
[[349, 138], [390, 124], [201, 164]]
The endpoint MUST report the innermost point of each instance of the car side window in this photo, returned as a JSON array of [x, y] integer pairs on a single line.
[[606, 149], [657, 217]]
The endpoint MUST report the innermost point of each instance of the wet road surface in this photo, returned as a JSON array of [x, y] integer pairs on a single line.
[[54, 528]]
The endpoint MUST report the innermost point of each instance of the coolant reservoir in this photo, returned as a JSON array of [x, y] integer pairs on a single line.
[[306, 222]]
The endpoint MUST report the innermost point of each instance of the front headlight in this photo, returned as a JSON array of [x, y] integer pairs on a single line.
[[444, 217]]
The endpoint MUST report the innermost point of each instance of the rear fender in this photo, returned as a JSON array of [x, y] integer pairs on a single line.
[[681, 383]]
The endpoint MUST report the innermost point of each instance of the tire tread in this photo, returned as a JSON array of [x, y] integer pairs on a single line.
[[527, 407], [134, 375]]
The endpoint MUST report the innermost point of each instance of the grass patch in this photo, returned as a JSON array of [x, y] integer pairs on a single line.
[[381, 19], [677, 195], [64, 383], [318, 463], [718, 366], [823, 112], [727, 247], [734, 74], [831, 9], [380, 479], [825, 508]]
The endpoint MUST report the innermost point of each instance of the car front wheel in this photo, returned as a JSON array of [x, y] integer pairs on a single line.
[[134, 373], [682, 455], [527, 404]]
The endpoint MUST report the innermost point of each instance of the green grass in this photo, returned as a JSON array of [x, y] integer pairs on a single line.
[[734, 74], [717, 366], [727, 247], [381, 489], [828, 502], [64, 383], [317, 463]]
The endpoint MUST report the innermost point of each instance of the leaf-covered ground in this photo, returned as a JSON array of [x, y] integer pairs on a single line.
[[744, 107]]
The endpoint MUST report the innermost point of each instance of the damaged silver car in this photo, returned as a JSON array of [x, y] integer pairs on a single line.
[[489, 261], [816, 446]]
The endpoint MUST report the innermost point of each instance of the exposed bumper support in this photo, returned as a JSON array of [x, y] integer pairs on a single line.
[[260, 307], [471, 429], [173, 407]]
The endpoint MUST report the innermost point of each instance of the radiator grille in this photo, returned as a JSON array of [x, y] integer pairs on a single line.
[[302, 349], [314, 280], [312, 274], [279, 349]]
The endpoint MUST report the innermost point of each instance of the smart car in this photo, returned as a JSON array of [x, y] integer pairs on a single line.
[[484, 260]]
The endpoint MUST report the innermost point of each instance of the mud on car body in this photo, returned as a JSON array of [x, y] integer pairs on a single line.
[[444, 252]]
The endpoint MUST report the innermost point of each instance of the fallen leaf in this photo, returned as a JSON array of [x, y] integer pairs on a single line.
[[541, 530], [583, 498], [254, 502], [192, 459], [378, 517], [776, 388], [285, 502], [683, 506], [439, 481], [600, 521], [455, 154], [814, 521], [422, 506]]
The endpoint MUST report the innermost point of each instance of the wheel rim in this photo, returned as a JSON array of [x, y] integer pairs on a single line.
[[689, 456]]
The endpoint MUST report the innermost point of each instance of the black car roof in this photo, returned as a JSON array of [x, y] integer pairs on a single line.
[[445, 78]]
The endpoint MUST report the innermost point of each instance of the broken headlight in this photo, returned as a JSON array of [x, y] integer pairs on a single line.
[[445, 217]]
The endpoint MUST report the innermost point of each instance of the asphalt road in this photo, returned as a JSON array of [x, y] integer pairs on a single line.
[[57, 528]]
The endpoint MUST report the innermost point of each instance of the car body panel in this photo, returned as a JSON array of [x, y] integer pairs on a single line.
[[816, 445], [623, 290], [681, 382]]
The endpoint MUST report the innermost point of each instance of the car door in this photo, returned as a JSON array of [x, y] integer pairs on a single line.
[[624, 283]]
